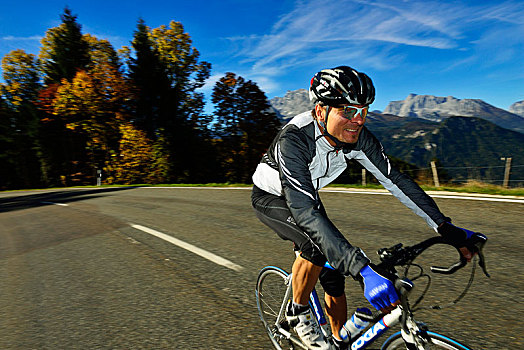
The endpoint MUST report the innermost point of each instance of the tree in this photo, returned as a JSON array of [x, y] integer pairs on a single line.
[[149, 77], [167, 73], [135, 158], [7, 148], [244, 123], [63, 53], [21, 77], [93, 106], [64, 50], [20, 90]]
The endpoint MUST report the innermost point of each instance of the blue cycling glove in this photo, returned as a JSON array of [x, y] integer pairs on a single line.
[[378, 289]]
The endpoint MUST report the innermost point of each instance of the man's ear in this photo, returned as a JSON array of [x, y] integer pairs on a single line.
[[319, 112]]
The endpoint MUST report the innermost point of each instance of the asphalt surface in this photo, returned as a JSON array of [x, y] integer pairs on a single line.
[[74, 273]]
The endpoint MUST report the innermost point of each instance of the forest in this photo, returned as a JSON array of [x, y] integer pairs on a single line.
[[81, 109]]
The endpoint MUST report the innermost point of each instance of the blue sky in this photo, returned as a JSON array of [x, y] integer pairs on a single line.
[[466, 49]]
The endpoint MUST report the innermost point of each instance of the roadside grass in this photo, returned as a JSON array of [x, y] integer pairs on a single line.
[[469, 187]]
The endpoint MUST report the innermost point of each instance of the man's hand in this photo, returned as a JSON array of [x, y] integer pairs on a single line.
[[379, 289], [463, 239]]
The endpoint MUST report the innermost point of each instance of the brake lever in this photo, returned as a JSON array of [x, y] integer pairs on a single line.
[[478, 249], [482, 261]]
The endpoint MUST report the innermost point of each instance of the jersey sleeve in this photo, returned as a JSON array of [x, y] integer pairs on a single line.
[[372, 157], [294, 152]]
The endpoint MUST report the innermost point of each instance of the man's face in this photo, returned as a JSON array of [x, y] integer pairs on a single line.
[[345, 123]]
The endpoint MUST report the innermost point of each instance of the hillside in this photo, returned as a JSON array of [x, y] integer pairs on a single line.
[[457, 142]]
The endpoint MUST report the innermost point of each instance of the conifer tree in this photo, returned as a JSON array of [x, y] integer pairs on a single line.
[[149, 76], [167, 73], [64, 50]]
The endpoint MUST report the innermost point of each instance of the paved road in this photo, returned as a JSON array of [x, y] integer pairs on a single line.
[[76, 275]]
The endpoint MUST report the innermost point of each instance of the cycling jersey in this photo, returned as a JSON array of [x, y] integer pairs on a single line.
[[300, 161]]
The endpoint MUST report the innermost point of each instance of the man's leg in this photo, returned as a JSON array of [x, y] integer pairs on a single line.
[[336, 310], [305, 276]]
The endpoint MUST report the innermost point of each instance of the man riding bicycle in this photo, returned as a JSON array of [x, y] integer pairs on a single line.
[[308, 154]]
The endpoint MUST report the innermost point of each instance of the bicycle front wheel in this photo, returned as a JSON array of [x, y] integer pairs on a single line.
[[438, 341], [272, 284]]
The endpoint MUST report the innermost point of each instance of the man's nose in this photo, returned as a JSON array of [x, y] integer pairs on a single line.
[[358, 119]]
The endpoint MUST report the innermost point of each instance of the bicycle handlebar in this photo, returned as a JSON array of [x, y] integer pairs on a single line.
[[399, 255]]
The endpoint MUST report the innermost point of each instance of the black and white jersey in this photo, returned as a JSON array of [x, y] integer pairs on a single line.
[[300, 161]]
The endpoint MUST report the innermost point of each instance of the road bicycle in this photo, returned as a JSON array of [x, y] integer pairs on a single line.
[[273, 292]]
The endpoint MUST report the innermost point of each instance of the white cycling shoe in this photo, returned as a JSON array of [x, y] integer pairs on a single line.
[[308, 330]]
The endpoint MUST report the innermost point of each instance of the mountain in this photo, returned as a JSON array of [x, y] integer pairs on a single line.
[[438, 108], [293, 103], [517, 108]]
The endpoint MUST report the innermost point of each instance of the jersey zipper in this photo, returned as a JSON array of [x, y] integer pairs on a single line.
[[327, 168]]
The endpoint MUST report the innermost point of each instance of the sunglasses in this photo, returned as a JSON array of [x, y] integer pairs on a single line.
[[349, 112]]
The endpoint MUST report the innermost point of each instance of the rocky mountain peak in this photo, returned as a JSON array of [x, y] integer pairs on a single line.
[[437, 108], [517, 108], [293, 103]]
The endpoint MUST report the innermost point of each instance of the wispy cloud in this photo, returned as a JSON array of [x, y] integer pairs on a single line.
[[374, 32], [21, 38]]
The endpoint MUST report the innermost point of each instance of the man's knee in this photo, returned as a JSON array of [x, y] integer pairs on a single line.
[[333, 282]]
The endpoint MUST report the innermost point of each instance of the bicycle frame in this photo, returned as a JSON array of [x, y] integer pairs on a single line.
[[364, 340], [414, 334]]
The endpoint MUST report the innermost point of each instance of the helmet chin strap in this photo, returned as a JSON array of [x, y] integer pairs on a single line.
[[323, 124]]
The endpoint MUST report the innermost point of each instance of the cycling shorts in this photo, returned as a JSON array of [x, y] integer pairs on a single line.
[[273, 211]]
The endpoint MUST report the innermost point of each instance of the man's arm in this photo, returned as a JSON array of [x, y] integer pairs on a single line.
[[370, 153]]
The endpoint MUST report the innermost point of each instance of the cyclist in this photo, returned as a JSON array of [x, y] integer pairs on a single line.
[[309, 153]]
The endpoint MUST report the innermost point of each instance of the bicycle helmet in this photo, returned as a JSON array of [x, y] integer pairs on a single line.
[[341, 85]]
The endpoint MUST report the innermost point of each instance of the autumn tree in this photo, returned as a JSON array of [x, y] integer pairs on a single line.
[[134, 162], [19, 92], [244, 124], [63, 53], [93, 105]]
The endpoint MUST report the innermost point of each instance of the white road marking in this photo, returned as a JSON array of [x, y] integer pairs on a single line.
[[489, 199], [494, 199], [189, 247], [479, 197], [60, 204]]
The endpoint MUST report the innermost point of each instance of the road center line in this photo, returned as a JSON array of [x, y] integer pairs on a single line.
[[189, 247]]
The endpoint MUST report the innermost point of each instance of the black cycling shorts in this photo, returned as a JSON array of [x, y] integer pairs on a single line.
[[273, 211]]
